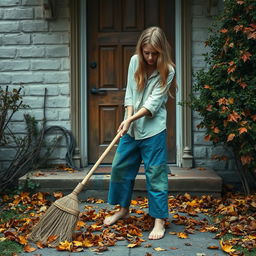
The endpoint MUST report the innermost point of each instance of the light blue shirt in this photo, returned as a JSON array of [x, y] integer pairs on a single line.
[[153, 97]]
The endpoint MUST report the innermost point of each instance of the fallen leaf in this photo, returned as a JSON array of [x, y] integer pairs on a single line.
[[100, 249], [214, 247], [159, 249], [28, 248], [182, 235], [226, 247]]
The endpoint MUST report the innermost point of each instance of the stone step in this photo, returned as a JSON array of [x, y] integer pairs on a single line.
[[181, 180]]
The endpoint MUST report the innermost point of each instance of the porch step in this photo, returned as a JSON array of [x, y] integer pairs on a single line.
[[181, 180]]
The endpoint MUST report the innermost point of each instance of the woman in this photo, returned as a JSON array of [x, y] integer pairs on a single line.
[[143, 130]]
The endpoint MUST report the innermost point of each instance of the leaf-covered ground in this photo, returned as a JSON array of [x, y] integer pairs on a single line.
[[232, 219]]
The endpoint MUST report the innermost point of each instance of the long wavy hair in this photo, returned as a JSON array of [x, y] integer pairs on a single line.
[[155, 37]]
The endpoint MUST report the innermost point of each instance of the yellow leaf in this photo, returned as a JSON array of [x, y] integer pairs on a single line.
[[226, 247], [64, 246], [77, 243], [87, 243], [159, 249], [132, 245], [182, 235]]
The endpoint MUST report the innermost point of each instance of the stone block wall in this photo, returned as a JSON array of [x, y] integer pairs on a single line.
[[35, 52], [203, 150]]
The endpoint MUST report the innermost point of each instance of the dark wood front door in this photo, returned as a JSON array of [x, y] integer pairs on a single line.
[[113, 27]]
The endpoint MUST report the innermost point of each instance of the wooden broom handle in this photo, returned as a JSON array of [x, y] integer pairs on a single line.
[[88, 176]]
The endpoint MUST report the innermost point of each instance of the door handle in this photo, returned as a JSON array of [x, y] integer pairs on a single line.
[[98, 91]]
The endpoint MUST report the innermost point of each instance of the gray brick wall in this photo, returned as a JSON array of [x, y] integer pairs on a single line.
[[202, 149], [35, 52]]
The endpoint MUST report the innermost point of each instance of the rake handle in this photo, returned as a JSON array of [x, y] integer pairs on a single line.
[[88, 176]]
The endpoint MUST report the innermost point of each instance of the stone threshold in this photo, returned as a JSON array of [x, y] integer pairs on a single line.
[[181, 180]]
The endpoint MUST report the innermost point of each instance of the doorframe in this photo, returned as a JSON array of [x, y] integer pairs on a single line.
[[79, 116]]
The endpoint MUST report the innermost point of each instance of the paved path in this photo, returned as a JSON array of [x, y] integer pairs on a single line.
[[195, 245]]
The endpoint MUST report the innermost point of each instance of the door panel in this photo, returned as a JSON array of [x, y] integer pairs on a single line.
[[113, 28]]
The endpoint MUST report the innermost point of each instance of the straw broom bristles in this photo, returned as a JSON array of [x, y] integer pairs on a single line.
[[60, 220]]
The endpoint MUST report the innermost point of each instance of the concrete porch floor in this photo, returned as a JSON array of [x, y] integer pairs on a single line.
[[194, 181]]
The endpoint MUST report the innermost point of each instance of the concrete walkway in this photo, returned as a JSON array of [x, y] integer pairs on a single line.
[[195, 245]]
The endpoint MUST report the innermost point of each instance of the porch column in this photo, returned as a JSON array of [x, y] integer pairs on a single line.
[[187, 156], [75, 81]]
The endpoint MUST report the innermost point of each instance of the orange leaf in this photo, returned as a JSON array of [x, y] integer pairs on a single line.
[[246, 56], [224, 30], [40, 245], [206, 86], [233, 117], [216, 130], [22, 240], [27, 248], [222, 101], [51, 238], [242, 130], [231, 136]]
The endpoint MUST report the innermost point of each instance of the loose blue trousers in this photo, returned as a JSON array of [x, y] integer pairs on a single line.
[[126, 164]]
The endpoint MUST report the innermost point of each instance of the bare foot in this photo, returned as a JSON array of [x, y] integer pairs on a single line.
[[122, 213], [158, 230]]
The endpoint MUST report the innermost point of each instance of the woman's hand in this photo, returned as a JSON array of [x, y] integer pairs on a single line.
[[124, 126]]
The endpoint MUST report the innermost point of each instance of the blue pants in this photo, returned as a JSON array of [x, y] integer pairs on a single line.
[[126, 164]]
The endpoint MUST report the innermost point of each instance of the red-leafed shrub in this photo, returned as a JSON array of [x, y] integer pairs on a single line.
[[225, 93]]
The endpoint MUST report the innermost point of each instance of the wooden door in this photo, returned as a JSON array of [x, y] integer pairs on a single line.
[[113, 27]]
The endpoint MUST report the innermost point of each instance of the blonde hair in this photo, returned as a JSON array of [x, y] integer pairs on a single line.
[[155, 37]]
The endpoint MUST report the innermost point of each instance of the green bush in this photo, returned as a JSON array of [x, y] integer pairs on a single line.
[[225, 93]]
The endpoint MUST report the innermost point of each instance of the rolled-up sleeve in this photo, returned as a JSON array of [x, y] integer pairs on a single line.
[[130, 78], [158, 95]]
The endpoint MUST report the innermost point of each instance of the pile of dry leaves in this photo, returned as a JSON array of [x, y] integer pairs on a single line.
[[233, 214]]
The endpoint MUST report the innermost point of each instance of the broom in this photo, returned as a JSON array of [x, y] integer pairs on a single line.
[[61, 217]]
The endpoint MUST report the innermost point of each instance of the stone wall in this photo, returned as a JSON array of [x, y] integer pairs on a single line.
[[203, 150], [35, 52]]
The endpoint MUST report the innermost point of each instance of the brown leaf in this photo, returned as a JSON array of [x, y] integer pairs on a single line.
[[214, 247], [100, 249]]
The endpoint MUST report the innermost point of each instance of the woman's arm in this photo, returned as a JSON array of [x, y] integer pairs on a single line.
[[124, 126]]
